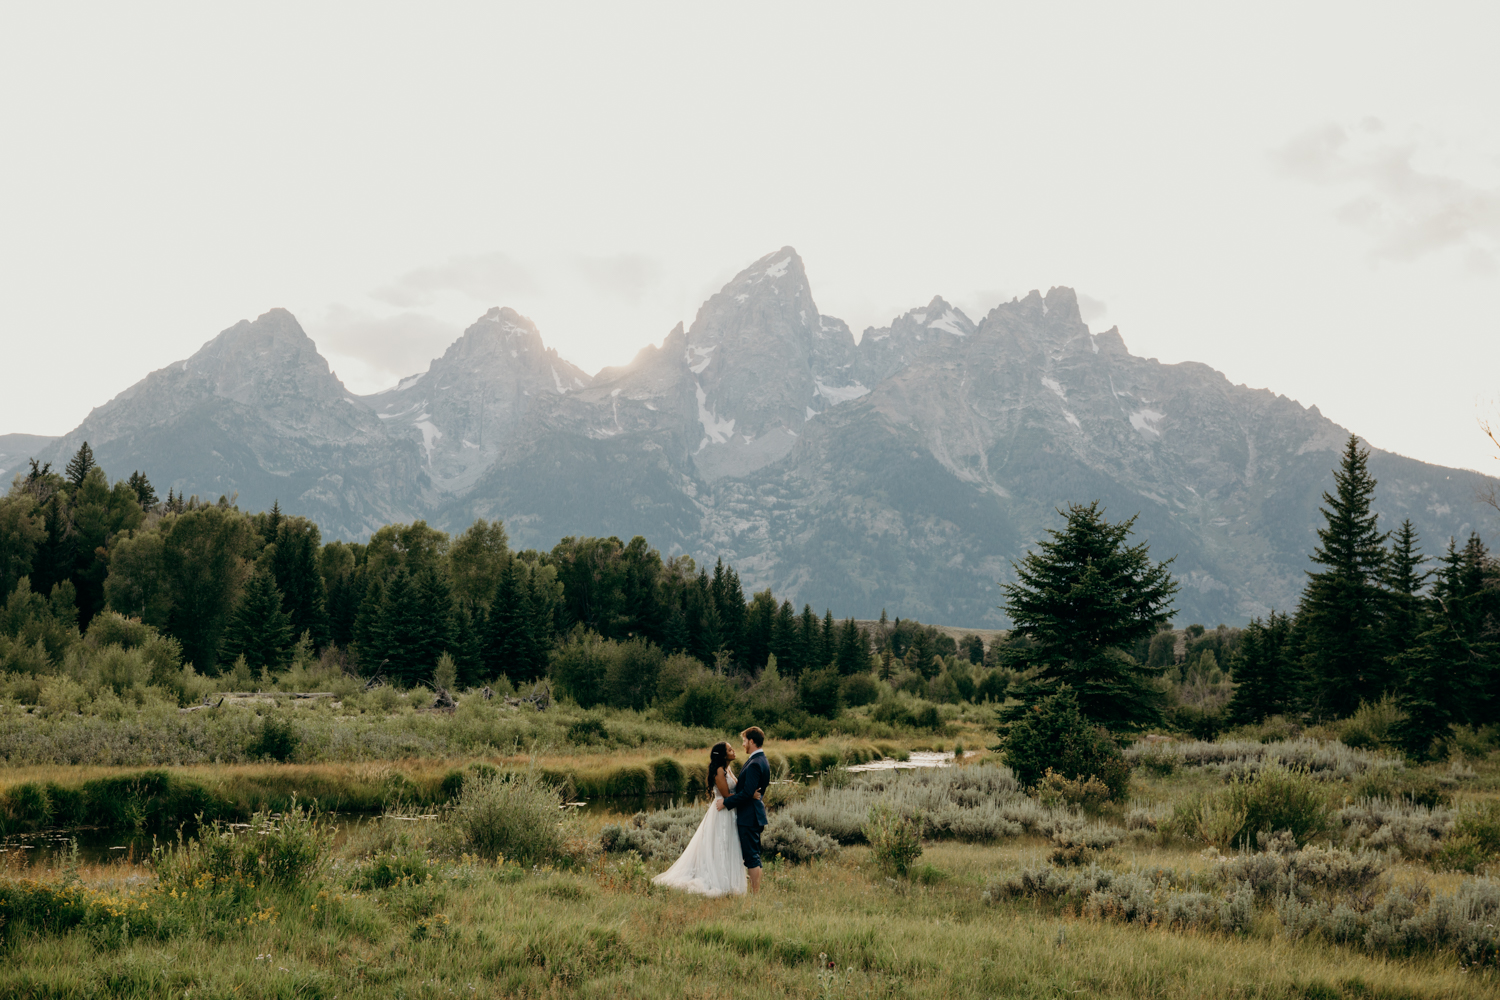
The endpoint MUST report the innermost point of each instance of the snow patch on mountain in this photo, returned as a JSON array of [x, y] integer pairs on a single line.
[[836, 394], [1144, 420], [949, 322], [715, 431]]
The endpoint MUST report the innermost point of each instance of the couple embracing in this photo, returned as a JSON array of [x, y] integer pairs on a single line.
[[725, 851]]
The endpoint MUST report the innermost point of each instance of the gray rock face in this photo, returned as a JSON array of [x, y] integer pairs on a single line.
[[904, 473], [258, 412], [470, 402]]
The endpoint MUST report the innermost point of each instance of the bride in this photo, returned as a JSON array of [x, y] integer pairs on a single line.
[[711, 863]]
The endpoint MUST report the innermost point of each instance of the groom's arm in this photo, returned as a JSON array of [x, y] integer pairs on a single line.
[[746, 789]]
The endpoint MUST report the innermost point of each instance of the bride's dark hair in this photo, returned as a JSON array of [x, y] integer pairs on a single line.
[[717, 757]]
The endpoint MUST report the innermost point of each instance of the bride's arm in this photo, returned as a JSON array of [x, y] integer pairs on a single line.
[[721, 782]]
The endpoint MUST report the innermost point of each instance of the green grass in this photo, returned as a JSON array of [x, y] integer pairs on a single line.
[[407, 906], [601, 929]]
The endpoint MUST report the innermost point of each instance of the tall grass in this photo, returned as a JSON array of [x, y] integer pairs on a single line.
[[515, 816]]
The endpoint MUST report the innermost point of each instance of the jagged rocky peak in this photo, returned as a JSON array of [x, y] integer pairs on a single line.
[[764, 361], [271, 355], [473, 398]]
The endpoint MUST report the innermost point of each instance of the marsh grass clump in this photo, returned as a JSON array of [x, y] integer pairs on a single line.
[[280, 849], [895, 838], [509, 815]]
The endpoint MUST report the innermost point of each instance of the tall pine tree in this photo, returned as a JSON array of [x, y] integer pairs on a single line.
[[258, 629], [79, 465], [1265, 671], [1404, 580], [1340, 619], [1083, 597]]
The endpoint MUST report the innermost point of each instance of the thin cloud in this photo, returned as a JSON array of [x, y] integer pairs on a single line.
[[627, 276], [488, 278], [1408, 212], [388, 347]]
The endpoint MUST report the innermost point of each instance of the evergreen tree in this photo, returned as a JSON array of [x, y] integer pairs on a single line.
[[827, 641], [784, 640], [144, 493], [273, 521], [1082, 598], [501, 646], [1404, 579], [465, 646], [294, 564], [398, 636], [809, 634], [675, 635], [79, 465], [852, 655], [258, 629], [729, 608], [368, 632], [1265, 672], [1340, 617], [1443, 683], [344, 600]]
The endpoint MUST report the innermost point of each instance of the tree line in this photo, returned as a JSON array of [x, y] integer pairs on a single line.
[[1377, 621], [612, 622]]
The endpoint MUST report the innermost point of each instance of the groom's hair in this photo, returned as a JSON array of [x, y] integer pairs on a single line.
[[754, 735]]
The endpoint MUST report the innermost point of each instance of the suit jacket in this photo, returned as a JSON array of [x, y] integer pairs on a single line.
[[755, 776]]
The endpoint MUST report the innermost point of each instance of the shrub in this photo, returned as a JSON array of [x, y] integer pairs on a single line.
[[859, 689], [587, 731], [1372, 726], [1055, 736], [276, 740], [283, 849], [668, 775], [819, 691], [514, 816], [895, 838], [1380, 824], [1475, 839], [1279, 799], [794, 842], [1088, 793]]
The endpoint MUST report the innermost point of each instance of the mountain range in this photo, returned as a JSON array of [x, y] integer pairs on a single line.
[[903, 471]]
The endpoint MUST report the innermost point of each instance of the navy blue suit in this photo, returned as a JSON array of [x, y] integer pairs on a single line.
[[750, 812]]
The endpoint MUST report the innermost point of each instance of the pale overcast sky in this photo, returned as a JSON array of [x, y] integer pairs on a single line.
[[1304, 196]]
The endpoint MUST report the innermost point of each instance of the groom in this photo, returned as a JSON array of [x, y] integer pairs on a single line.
[[750, 811]]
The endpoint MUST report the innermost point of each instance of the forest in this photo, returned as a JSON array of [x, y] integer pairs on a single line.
[[185, 595]]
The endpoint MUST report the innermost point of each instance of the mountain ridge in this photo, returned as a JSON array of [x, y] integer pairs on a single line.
[[905, 470]]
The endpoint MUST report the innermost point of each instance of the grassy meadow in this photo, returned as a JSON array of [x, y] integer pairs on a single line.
[[473, 882]]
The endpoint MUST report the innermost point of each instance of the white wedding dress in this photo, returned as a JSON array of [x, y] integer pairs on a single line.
[[711, 864]]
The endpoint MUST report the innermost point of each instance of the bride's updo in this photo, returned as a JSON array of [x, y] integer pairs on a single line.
[[717, 757]]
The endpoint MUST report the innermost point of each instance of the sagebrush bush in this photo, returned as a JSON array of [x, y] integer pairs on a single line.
[[796, 843], [1384, 824], [1325, 761], [515, 816]]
